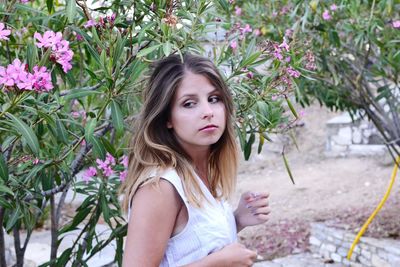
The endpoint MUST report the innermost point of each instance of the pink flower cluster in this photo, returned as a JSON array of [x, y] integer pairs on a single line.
[[4, 33], [292, 72], [104, 22], [16, 74], [60, 48], [106, 168], [25, 1], [396, 24], [326, 15]]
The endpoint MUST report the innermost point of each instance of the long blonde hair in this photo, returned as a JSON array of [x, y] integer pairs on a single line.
[[153, 146]]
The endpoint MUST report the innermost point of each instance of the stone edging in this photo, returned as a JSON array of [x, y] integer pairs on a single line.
[[334, 244]]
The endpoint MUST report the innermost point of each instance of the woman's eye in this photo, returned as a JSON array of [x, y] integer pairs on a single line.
[[214, 99], [189, 104]]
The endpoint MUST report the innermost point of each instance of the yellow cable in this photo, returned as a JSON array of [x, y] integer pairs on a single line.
[[365, 226]]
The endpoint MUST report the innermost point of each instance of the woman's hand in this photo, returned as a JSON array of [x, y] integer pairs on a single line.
[[232, 255], [252, 209]]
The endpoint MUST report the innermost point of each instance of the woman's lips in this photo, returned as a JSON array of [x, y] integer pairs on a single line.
[[210, 127]]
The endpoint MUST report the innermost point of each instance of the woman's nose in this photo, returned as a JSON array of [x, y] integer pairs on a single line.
[[207, 111]]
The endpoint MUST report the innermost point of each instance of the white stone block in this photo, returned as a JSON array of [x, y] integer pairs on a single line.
[[330, 247], [366, 253], [336, 257], [314, 241], [376, 261], [356, 136]]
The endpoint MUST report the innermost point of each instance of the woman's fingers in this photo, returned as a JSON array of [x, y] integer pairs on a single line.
[[263, 210]]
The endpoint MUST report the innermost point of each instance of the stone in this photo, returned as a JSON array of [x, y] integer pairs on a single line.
[[365, 253], [336, 257], [356, 136], [314, 241], [342, 251], [393, 260], [376, 261], [330, 247], [364, 261]]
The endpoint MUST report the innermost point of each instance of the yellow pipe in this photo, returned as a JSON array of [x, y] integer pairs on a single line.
[[365, 226]]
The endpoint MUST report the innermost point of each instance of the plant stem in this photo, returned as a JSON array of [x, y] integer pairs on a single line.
[[54, 230], [2, 242]]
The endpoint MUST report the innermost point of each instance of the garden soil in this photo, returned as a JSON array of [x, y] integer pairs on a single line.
[[341, 191]]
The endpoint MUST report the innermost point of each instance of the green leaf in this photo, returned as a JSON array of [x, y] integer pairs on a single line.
[[6, 190], [287, 167], [89, 128], [167, 47], [3, 168], [71, 10], [12, 220], [147, 51], [248, 146], [93, 53], [26, 132], [98, 148], [117, 118], [50, 5], [291, 107], [62, 135], [247, 61], [31, 55], [119, 48], [79, 93]]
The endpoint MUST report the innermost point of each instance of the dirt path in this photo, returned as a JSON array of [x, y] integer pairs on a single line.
[[326, 188]]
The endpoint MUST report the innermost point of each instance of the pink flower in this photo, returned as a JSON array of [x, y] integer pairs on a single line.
[[125, 161], [89, 23], [123, 175], [246, 28], [326, 15], [16, 70], [24, 1], [396, 24], [48, 39], [277, 52], [233, 45], [108, 171], [288, 59], [4, 32], [110, 159], [89, 173], [274, 14], [41, 79], [257, 32], [274, 97], [284, 45], [334, 7], [5, 77], [238, 11], [289, 33], [35, 161], [79, 37], [250, 75], [292, 72], [102, 164], [60, 48]]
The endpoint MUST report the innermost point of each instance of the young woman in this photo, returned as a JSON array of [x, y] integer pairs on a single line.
[[182, 170]]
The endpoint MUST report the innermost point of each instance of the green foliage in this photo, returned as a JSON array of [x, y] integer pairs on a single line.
[[48, 136]]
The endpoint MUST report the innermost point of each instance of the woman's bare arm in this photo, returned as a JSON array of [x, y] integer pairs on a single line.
[[151, 223]]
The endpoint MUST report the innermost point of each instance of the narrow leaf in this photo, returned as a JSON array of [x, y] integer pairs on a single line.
[[287, 167], [26, 132], [117, 118], [71, 10], [3, 168], [147, 51]]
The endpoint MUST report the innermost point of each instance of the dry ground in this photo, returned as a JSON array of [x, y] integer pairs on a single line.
[[342, 191]]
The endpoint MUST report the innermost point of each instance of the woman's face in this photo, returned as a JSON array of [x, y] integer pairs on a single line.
[[197, 113]]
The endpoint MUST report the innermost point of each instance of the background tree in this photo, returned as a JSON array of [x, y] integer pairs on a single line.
[[352, 54]]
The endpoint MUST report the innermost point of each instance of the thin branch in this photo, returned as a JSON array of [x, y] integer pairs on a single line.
[[2, 241]]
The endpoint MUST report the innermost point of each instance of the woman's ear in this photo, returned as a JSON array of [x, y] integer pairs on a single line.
[[169, 125]]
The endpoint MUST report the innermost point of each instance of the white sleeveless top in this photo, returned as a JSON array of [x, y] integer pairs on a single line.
[[209, 228]]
